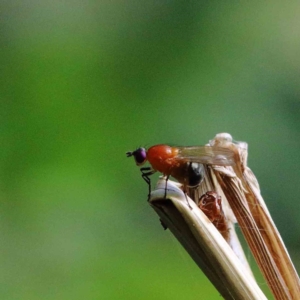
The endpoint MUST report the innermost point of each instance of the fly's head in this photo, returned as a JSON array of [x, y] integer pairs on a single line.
[[139, 155]]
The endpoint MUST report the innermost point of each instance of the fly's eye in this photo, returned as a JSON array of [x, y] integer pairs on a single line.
[[140, 155]]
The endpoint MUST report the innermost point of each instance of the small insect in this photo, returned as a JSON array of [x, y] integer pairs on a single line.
[[183, 163], [211, 204]]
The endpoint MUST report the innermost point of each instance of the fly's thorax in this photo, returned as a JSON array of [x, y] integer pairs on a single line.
[[162, 158]]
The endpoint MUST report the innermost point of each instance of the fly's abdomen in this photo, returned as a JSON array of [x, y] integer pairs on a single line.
[[188, 173]]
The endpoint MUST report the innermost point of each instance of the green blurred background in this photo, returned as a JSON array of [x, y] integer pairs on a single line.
[[82, 82]]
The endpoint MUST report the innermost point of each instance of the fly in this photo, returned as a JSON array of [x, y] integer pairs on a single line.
[[183, 163]]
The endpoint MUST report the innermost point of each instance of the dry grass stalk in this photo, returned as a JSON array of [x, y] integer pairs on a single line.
[[204, 243], [243, 194], [210, 183]]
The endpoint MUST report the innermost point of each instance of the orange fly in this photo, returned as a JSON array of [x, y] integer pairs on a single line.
[[183, 163]]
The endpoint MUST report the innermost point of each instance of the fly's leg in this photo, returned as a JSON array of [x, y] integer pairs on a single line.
[[186, 196], [187, 200], [184, 190], [167, 178], [146, 172]]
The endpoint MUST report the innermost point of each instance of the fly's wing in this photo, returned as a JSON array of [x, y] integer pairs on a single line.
[[207, 155]]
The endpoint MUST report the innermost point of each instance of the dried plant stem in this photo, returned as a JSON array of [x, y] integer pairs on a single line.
[[204, 243], [243, 194]]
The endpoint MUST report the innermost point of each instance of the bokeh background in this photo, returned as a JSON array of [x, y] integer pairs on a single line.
[[82, 82]]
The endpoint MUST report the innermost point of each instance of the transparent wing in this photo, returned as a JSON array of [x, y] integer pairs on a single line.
[[207, 155]]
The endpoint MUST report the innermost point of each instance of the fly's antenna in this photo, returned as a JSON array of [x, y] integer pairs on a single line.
[[129, 153]]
